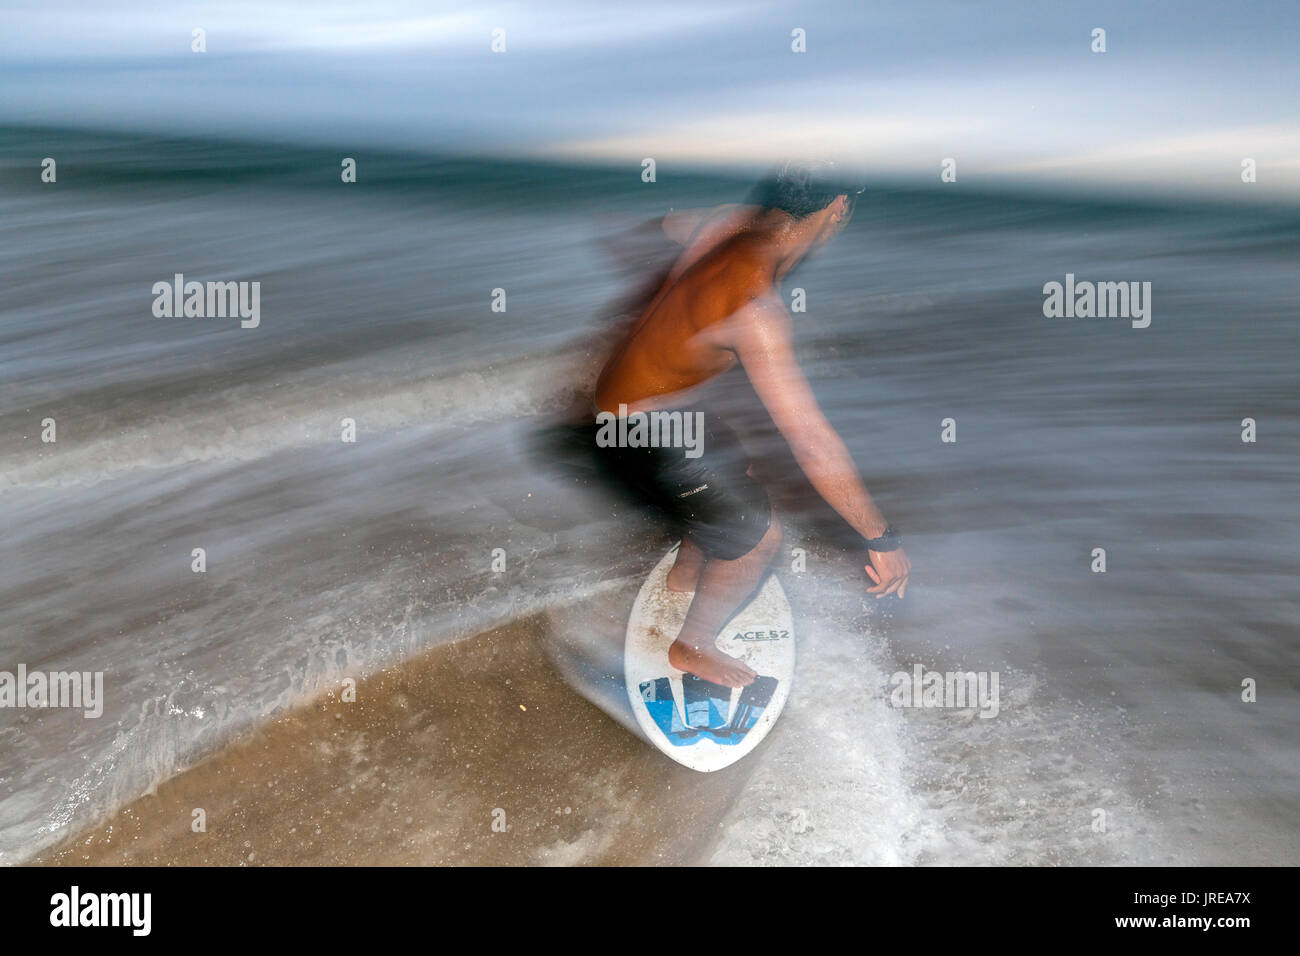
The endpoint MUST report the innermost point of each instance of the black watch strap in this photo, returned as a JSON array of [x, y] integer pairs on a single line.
[[891, 540]]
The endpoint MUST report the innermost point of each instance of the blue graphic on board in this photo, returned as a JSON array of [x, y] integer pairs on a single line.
[[706, 705]]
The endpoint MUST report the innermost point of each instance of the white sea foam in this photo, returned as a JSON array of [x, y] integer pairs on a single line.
[[247, 422], [848, 779]]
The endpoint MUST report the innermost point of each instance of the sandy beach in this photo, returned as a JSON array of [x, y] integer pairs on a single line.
[[417, 770]]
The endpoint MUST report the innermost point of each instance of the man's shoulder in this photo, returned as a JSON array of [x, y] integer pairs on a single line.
[[765, 308], [756, 319]]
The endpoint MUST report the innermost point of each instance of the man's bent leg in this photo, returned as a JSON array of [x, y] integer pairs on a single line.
[[723, 588]]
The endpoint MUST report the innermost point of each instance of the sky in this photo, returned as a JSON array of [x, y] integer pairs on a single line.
[[1012, 91]]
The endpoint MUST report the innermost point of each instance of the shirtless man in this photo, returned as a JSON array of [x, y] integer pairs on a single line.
[[720, 305]]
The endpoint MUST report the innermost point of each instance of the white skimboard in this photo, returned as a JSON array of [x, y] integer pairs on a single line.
[[698, 723]]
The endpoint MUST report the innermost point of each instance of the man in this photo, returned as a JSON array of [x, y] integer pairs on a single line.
[[721, 305]]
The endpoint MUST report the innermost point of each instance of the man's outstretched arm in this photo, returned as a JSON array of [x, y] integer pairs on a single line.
[[762, 338]]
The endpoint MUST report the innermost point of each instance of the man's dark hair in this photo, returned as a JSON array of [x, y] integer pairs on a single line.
[[801, 189]]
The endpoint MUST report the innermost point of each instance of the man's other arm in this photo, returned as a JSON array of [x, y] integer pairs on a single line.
[[762, 339]]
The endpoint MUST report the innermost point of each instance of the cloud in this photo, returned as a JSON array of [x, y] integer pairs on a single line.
[[1011, 92]]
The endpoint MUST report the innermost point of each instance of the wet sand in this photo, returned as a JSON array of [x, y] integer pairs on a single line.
[[417, 770]]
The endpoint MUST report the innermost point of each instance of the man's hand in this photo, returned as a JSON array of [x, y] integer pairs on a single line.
[[890, 572]]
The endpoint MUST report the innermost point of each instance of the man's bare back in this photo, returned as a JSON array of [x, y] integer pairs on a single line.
[[682, 338]]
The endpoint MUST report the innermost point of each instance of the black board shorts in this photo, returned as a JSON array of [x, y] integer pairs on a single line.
[[709, 499]]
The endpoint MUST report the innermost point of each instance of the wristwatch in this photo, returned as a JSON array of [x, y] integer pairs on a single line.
[[890, 540]]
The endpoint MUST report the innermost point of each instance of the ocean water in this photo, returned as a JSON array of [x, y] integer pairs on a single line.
[[1121, 692]]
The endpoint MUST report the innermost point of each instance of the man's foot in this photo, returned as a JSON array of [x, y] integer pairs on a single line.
[[710, 664]]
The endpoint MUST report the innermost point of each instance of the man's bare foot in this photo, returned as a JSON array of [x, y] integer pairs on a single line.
[[710, 664]]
